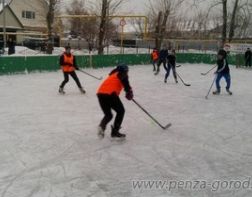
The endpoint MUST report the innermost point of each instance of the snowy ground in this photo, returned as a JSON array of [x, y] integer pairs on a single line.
[[24, 51], [49, 145]]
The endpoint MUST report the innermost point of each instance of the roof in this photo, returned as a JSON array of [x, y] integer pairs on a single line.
[[7, 2], [14, 15]]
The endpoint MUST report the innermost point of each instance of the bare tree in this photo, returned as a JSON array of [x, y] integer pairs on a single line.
[[224, 15], [160, 12], [232, 22], [244, 20], [235, 14], [138, 25], [102, 31], [105, 8], [50, 20], [86, 27]]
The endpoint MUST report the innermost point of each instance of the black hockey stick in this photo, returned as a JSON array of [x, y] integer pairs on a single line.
[[211, 87], [177, 66], [209, 71], [186, 84], [98, 78], [163, 127]]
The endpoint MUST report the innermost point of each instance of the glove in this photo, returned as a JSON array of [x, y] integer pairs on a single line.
[[77, 68], [129, 95]]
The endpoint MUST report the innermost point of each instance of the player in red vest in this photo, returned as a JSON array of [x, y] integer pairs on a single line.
[[68, 66], [154, 58], [108, 96]]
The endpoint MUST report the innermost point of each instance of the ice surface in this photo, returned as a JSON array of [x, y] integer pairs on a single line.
[[49, 145]]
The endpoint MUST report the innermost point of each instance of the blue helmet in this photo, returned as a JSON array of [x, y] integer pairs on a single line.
[[122, 67]]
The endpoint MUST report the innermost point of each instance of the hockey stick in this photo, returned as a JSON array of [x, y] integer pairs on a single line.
[[186, 84], [177, 66], [208, 71], [211, 87], [90, 75], [163, 127]]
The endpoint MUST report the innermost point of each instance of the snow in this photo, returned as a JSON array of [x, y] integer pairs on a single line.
[[49, 145], [24, 51]]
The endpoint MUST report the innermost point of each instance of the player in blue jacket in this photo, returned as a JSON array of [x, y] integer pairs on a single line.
[[171, 65], [222, 71]]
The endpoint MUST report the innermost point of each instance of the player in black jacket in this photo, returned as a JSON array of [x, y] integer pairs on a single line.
[[222, 71], [248, 57], [163, 54], [171, 65]]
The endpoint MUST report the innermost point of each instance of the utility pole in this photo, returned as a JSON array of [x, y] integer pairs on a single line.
[[4, 25]]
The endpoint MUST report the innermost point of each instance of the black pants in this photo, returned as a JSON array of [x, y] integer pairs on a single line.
[[248, 62], [168, 69], [154, 62], [160, 62], [66, 79], [108, 102]]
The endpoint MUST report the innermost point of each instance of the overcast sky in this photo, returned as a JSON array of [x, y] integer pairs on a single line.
[[140, 6]]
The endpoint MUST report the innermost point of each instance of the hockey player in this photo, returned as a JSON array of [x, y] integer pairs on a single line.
[[222, 71], [248, 57], [162, 58], [68, 66], [154, 58], [108, 97], [171, 65]]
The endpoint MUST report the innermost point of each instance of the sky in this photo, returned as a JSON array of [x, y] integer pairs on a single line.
[[134, 6], [140, 7]]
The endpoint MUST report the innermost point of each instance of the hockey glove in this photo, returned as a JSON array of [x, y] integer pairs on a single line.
[[129, 95]]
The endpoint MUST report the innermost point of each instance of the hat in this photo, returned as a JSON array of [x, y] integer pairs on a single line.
[[122, 67]]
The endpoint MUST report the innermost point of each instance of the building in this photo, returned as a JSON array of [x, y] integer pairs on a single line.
[[23, 18]]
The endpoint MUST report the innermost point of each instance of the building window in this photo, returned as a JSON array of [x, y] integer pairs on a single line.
[[28, 14]]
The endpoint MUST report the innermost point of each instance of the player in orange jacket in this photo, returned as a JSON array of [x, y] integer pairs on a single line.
[[154, 58], [108, 97], [68, 66]]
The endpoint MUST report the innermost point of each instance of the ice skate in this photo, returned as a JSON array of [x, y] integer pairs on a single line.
[[229, 92], [216, 92], [82, 91], [115, 134], [101, 132], [61, 91], [156, 73]]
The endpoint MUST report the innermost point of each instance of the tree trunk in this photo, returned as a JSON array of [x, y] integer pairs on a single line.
[[163, 27], [102, 30], [158, 31], [224, 27], [232, 22], [160, 28], [50, 20]]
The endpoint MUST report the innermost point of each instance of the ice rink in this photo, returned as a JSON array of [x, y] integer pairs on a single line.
[[49, 144]]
